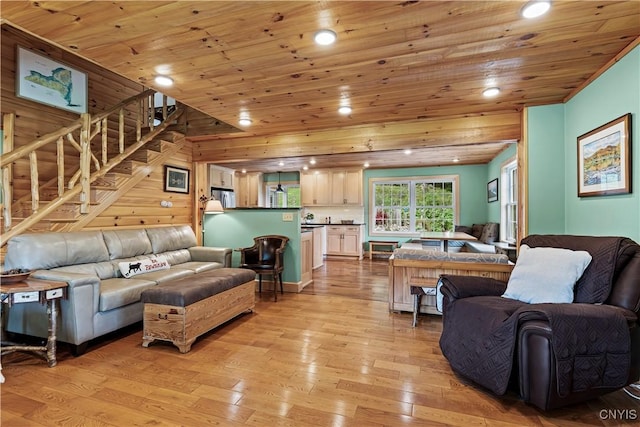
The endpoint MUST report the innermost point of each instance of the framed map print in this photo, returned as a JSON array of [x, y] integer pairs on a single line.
[[49, 82]]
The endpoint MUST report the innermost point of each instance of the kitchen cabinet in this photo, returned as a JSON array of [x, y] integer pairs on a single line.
[[331, 187], [319, 245], [220, 177], [248, 189], [346, 187], [306, 252], [315, 188], [345, 240]]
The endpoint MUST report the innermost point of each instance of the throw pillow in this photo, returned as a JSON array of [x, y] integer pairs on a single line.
[[133, 268], [463, 229], [476, 230], [489, 233], [546, 275]]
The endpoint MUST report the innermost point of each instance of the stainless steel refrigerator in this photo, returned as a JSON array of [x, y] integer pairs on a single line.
[[227, 197]]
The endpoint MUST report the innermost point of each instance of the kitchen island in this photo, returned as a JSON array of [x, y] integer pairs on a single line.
[[319, 242]]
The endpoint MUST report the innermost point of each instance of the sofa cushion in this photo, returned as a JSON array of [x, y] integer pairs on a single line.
[[480, 247], [427, 255], [463, 229], [490, 233], [42, 251], [199, 266], [177, 257], [476, 230], [127, 243], [104, 270], [546, 275], [140, 266], [165, 239], [118, 292]]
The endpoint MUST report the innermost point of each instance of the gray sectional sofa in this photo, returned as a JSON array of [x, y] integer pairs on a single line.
[[94, 264]]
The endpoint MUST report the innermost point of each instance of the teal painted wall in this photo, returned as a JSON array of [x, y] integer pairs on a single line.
[[554, 205], [288, 177], [493, 171], [237, 228], [473, 190], [610, 96], [547, 165]]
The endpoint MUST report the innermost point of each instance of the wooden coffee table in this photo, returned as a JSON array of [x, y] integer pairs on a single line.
[[30, 291]]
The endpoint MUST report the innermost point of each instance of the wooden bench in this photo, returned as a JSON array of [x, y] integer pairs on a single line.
[[181, 310], [384, 247]]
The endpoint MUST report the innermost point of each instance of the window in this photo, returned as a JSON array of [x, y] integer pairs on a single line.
[[413, 205], [509, 203], [289, 198]]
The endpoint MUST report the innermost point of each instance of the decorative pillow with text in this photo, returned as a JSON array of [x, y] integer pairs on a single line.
[[133, 268], [546, 275]]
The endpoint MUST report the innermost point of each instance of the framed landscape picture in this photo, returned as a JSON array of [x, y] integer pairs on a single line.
[[492, 191], [176, 180], [49, 82], [604, 159]]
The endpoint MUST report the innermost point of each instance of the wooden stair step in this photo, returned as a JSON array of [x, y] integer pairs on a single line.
[[125, 167], [50, 194], [143, 155]]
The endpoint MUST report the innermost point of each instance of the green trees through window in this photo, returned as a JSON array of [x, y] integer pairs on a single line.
[[414, 205]]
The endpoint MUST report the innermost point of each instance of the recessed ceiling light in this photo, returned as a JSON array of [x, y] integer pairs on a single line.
[[244, 171], [280, 163], [164, 80], [533, 9], [407, 151], [456, 160], [312, 161], [491, 92], [244, 121], [325, 37], [305, 167], [344, 110], [366, 164]]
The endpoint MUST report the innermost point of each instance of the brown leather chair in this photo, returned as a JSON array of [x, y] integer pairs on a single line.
[[266, 256], [552, 354]]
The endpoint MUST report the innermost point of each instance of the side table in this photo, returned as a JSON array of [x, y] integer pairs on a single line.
[[507, 249], [29, 291]]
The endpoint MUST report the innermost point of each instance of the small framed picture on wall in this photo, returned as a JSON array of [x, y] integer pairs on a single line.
[[176, 180], [492, 191]]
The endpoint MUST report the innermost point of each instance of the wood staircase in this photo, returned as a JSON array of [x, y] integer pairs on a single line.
[[107, 168]]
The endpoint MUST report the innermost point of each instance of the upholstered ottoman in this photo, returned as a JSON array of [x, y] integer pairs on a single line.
[[181, 310]]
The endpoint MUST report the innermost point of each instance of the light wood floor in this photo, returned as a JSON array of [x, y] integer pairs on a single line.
[[332, 355]]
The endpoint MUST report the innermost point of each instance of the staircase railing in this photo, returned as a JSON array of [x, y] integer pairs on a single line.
[[138, 109]]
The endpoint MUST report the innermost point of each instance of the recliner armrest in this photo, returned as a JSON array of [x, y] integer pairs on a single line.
[[456, 287]]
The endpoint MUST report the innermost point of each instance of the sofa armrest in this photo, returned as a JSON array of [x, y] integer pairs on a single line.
[[209, 254], [74, 280], [456, 287], [77, 311]]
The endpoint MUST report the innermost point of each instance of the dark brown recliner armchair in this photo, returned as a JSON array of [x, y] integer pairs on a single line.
[[554, 354], [266, 256]]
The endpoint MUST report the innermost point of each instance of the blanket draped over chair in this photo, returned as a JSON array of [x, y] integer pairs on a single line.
[[590, 340], [600, 358]]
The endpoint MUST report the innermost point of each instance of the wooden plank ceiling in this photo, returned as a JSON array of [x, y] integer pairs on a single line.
[[413, 71]]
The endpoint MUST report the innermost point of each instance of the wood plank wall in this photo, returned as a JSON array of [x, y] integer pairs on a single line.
[[141, 205]]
